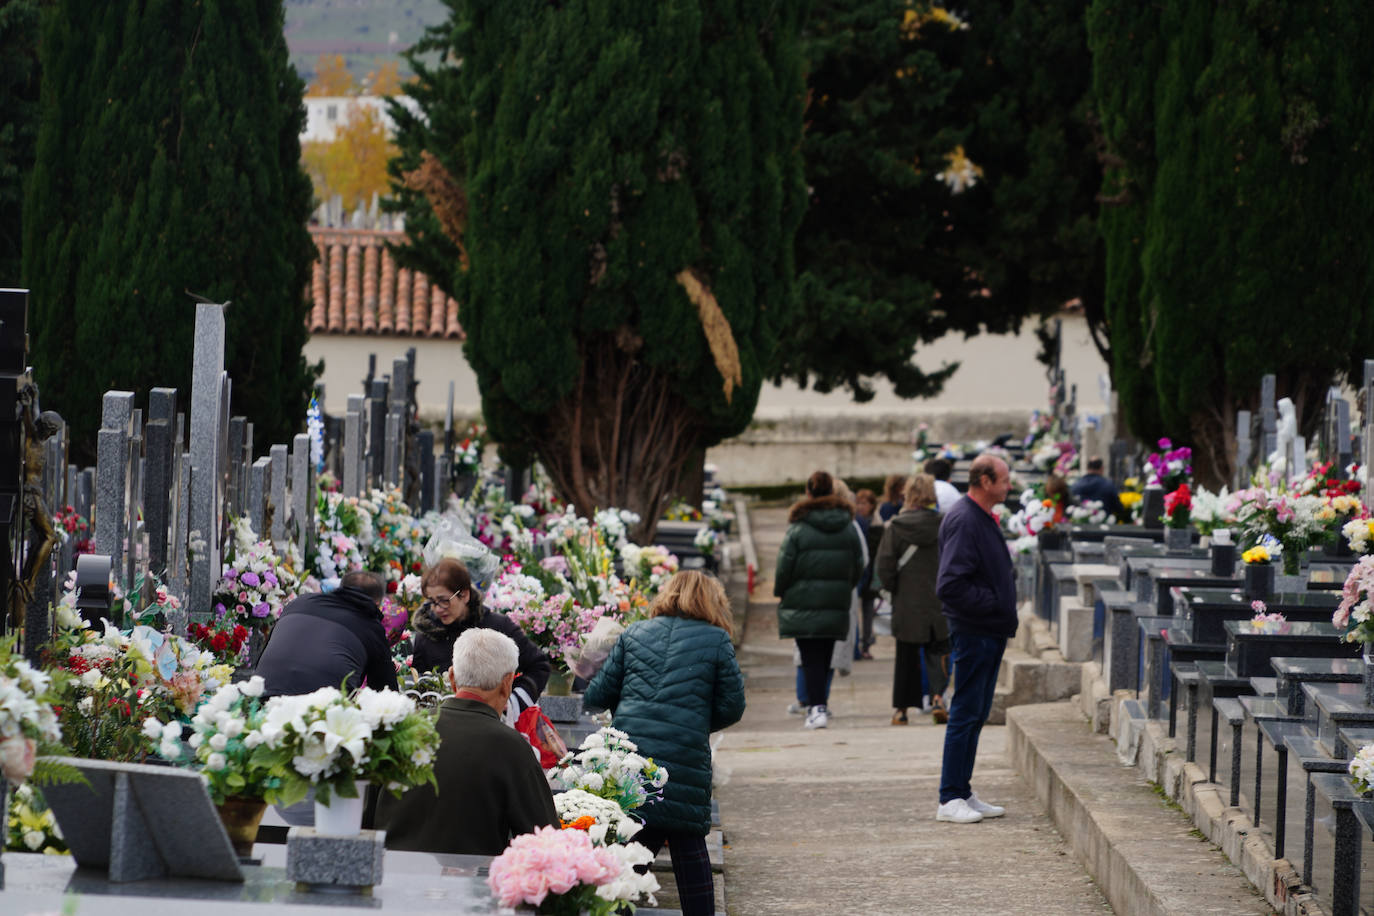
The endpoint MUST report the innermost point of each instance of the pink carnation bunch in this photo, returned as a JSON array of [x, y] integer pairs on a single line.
[[549, 861]]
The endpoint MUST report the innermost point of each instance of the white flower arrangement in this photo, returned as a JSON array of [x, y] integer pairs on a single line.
[[608, 764], [1089, 512], [1361, 769], [603, 818], [1357, 533], [706, 540]]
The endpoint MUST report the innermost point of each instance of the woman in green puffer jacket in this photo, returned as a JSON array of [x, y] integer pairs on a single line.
[[819, 563], [670, 681]]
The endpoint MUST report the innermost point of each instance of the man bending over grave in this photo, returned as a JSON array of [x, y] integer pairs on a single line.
[[491, 787], [323, 639]]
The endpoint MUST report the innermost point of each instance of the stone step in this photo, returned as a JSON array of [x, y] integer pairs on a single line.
[[1144, 855]]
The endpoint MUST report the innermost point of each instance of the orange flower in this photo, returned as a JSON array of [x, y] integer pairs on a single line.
[[584, 822]]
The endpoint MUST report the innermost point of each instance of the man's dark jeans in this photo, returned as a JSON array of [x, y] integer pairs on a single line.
[[976, 660]]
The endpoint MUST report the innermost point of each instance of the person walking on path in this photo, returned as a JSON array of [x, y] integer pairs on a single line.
[[977, 591], [670, 681], [907, 563], [819, 564], [866, 515]]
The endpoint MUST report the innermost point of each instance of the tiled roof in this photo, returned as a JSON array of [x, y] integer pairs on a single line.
[[358, 289]]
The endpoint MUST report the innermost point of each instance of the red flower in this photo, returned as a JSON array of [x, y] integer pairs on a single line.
[[392, 586]]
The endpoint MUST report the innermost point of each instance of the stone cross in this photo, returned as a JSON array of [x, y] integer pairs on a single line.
[[112, 476], [207, 446]]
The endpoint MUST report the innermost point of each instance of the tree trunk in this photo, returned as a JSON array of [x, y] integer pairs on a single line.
[[621, 438]]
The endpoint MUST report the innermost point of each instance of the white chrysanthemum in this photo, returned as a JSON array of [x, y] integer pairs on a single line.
[[216, 762], [253, 687], [383, 707]]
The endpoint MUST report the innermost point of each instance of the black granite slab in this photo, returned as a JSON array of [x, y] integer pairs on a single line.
[[1336, 843], [1293, 672], [1335, 707], [1250, 647], [1306, 758], [1230, 719], [1121, 639], [1258, 782], [1204, 611], [1215, 680], [1278, 806]]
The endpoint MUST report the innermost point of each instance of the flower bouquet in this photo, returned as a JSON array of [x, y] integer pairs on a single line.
[[1355, 613], [224, 639], [1169, 467], [706, 540], [343, 528], [329, 741], [29, 725], [1290, 520], [558, 624], [649, 567], [1178, 506], [467, 454], [1089, 512], [255, 584], [399, 605], [1359, 534], [69, 525], [602, 818], [1265, 622], [608, 764], [225, 732], [1361, 770], [31, 824], [562, 872], [398, 537]]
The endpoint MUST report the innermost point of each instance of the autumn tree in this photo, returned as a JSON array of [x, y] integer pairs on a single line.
[[332, 77], [1236, 212], [168, 163], [621, 183], [353, 165]]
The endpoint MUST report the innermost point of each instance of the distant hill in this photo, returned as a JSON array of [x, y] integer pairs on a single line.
[[363, 31]]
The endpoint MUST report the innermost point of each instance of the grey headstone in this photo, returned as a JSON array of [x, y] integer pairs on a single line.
[[206, 442], [157, 498], [425, 440], [1297, 468], [302, 494], [247, 459], [357, 403], [117, 409], [394, 445], [1341, 447], [112, 458], [236, 470], [443, 474], [1243, 448], [85, 493], [279, 456], [352, 453], [376, 434], [257, 494], [400, 383], [162, 404], [334, 861], [178, 568], [136, 555]]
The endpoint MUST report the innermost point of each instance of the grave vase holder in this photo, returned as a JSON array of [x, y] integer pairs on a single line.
[[1178, 538], [1337, 546], [241, 816], [342, 816], [1259, 580], [559, 684], [1152, 507], [1292, 560], [1056, 538], [1223, 559]]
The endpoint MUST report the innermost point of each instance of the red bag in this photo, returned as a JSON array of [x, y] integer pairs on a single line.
[[542, 736]]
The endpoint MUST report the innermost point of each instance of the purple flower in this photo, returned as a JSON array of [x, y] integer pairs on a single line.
[[270, 577], [230, 572], [251, 579], [261, 610], [220, 609]]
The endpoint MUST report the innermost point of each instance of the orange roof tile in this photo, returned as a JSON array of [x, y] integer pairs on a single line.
[[357, 288]]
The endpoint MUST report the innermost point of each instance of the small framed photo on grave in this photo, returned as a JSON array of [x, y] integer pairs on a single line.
[[137, 822]]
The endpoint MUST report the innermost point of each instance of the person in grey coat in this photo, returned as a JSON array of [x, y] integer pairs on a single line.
[[917, 623]]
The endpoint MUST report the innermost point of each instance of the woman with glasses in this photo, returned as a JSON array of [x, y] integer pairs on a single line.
[[455, 606]]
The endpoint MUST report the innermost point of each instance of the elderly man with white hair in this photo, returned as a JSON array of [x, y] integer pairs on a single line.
[[491, 787]]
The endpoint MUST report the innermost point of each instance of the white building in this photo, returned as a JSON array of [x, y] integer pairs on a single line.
[[325, 114]]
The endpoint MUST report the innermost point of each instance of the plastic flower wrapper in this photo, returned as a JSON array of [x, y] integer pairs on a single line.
[[1361, 769], [608, 764], [561, 871], [602, 818]]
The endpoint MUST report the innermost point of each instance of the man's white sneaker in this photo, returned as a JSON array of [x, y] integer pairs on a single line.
[[797, 709], [957, 811], [818, 717], [983, 808]]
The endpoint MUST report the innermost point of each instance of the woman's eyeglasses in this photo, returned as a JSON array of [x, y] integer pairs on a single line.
[[445, 602]]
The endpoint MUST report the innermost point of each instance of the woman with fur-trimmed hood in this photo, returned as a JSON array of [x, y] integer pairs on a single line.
[[819, 563]]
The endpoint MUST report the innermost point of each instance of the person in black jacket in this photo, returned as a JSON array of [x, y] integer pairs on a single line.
[[977, 591], [330, 639], [454, 606], [1094, 486]]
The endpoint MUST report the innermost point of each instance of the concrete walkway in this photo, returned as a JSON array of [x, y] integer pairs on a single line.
[[842, 820]]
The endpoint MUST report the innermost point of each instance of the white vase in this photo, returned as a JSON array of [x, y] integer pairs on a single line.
[[342, 816]]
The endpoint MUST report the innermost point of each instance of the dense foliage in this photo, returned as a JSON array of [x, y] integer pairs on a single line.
[[1236, 221], [628, 185], [19, 81], [892, 252], [168, 163]]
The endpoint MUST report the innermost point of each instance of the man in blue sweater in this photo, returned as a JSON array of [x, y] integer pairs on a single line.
[[977, 591]]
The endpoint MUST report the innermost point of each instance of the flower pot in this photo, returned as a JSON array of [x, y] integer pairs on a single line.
[[1152, 504], [1178, 538], [241, 816], [1223, 559], [1337, 546], [560, 683], [1259, 580], [342, 816]]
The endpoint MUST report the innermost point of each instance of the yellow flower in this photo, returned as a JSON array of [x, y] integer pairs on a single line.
[[1256, 554], [1130, 499]]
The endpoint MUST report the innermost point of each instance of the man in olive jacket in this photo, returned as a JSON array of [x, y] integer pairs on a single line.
[[491, 787]]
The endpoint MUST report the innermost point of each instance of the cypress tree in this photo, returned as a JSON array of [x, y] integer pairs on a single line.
[[168, 164], [632, 186], [19, 81], [1244, 244], [892, 257]]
